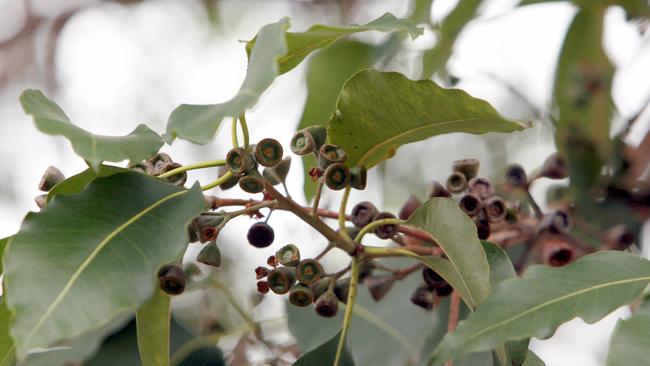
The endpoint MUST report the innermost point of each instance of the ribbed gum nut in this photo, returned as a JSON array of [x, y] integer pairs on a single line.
[[336, 176], [50, 178], [327, 305], [260, 235], [411, 204], [444, 291], [268, 152], [210, 255], [252, 182], [432, 278], [342, 289], [172, 279], [424, 297], [456, 182], [319, 287], [261, 272], [288, 255], [516, 176], [363, 213], [178, 179], [555, 222], [303, 143], [309, 271], [481, 187], [234, 179], [554, 167], [41, 201], [204, 228], [301, 295], [240, 161], [495, 208], [278, 174], [385, 231], [281, 279], [438, 190], [619, 237], [319, 133], [470, 204], [557, 252], [157, 162], [358, 177], [482, 228], [467, 167], [379, 285], [329, 154], [263, 287]]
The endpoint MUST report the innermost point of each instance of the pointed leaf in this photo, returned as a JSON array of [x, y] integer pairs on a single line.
[[629, 344], [535, 305], [89, 257], [50, 119], [324, 355], [377, 112], [456, 234], [78, 182], [153, 326]]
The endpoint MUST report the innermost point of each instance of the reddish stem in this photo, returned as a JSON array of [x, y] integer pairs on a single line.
[[454, 309]]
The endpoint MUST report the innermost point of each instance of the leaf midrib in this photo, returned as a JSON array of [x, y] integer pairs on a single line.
[[75, 276]]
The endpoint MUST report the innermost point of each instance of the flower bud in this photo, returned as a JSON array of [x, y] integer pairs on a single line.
[[240, 161], [172, 279], [467, 167], [41, 201], [363, 213], [337, 176], [619, 238], [481, 187], [288, 255], [444, 291], [456, 182], [301, 295], [268, 152], [516, 176], [555, 222], [327, 305], [411, 204], [281, 279], [260, 235], [437, 190], [252, 182], [432, 278], [342, 289], [424, 297], [379, 285], [557, 252], [234, 179], [470, 204], [278, 174], [358, 177], [495, 208], [309, 271], [50, 178], [388, 230], [554, 167], [210, 255], [330, 154]]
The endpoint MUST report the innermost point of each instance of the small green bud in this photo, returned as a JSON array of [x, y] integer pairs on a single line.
[[50, 178], [288, 255], [358, 177], [278, 174], [467, 167], [281, 279], [240, 161], [336, 176], [342, 289], [268, 152], [252, 182], [327, 305], [309, 271], [210, 255], [456, 182], [301, 295]]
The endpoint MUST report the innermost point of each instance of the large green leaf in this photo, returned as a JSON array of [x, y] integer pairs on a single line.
[[153, 325], [456, 234], [544, 298], [88, 257], [78, 182], [6, 343], [199, 123], [377, 112], [629, 344], [324, 355], [328, 70], [49, 118], [301, 44]]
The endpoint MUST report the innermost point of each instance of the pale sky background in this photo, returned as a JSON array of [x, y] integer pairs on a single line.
[[120, 66]]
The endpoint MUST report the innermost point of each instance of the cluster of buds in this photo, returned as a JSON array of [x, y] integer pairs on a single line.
[[159, 164], [50, 178], [244, 164], [434, 287]]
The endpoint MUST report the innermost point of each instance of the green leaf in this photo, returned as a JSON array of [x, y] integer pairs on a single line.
[[377, 112], [50, 119], [328, 70], [3, 245], [301, 44], [324, 355], [629, 343], [199, 123], [89, 257], [153, 325], [7, 357], [501, 267], [456, 234], [535, 305], [78, 182], [533, 360]]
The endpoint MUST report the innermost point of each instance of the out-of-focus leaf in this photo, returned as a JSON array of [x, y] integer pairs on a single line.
[[3, 245], [153, 327], [328, 70], [50, 119], [324, 354], [629, 343], [532, 2], [301, 44], [89, 257], [7, 357], [456, 234], [78, 182], [533, 360], [544, 298], [377, 112], [434, 60]]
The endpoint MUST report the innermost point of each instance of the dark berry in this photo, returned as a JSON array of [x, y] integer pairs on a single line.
[[444, 291], [482, 229], [260, 235], [363, 213]]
